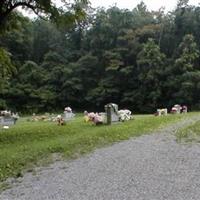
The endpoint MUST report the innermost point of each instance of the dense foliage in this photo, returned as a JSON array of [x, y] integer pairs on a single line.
[[138, 59], [68, 11]]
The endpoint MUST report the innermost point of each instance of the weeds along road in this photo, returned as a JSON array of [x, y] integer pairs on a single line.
[[150, 167]]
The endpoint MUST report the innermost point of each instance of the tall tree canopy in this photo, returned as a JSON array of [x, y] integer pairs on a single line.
[[139, 59], [6, 66], [45, 8]]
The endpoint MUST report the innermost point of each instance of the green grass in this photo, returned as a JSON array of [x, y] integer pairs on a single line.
[[190, 133], [31, 143]]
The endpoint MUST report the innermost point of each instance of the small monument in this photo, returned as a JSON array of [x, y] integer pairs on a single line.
[[161, 112], [68, 114], [184, 109], [176, 109], [111, 113], [7, 118], [4, 121]]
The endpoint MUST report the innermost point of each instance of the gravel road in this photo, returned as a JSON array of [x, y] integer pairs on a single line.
[[150, 167]]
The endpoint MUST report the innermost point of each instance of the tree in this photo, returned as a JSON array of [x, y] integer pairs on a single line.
[[6, 67], [6, 70], [107, 57], [184, 70], [182, 3], [188, 54], [18, 41], [43, 8], [46, 37], [150, 63], [29, 89]]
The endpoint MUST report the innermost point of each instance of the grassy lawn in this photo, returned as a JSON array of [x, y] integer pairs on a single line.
[[31, 143], [190, 133]]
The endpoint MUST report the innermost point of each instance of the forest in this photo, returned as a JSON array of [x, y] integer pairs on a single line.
[[140, 59]]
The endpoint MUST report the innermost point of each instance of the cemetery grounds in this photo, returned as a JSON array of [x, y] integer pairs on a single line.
[[30, 144]]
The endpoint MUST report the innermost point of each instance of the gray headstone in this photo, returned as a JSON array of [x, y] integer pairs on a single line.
[[7, 121], [112, 113], [68, 116]]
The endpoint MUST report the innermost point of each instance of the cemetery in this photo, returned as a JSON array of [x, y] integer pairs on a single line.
[[99, 100], [110, 116], [41, 133], [176, 109]]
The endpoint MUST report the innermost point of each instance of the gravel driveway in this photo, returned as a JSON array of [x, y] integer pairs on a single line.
[[150, 167]]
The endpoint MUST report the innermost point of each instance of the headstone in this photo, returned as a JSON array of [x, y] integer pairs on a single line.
[[112, 113], [7, 121], [184, 109], [178, 107], [161, 112], [68, 116]]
